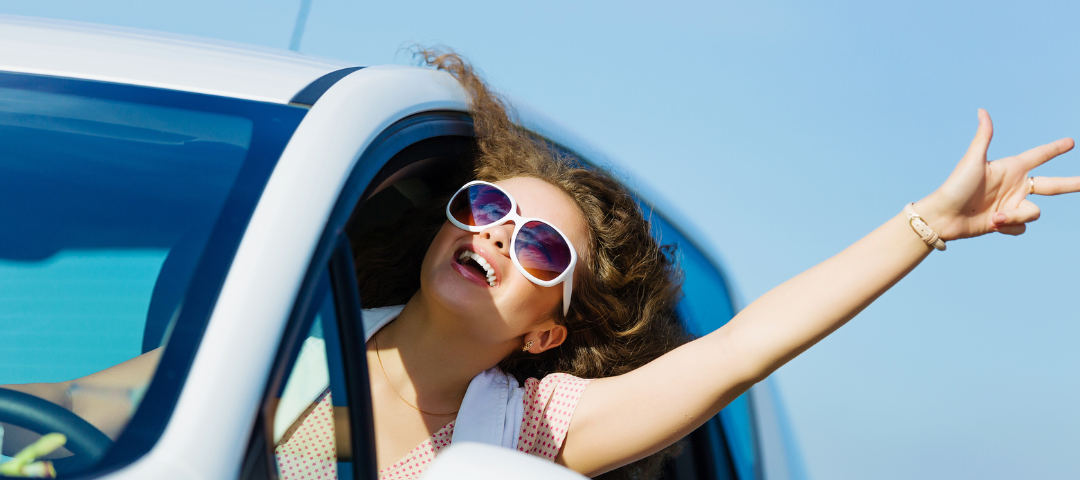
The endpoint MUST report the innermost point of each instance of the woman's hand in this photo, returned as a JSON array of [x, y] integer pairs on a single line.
[[982, 197]]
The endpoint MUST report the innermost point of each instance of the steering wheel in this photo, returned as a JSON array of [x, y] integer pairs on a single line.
[[42, 416]]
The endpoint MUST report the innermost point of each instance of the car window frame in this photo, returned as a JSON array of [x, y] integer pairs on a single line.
[[376, 164], [348, 351]]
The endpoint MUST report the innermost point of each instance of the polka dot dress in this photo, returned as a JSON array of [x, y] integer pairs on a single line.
[[309, 453], [549, 405], [416, 461]]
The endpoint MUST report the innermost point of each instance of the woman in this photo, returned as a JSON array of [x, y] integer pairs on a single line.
[[476, 301], [455, 327]]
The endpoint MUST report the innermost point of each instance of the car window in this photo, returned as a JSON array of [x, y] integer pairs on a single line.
[[110, 196], [311, 408]]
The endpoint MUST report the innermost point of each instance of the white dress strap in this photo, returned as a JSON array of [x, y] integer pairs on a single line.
[[376, 318], [491, 411], [493, 407]]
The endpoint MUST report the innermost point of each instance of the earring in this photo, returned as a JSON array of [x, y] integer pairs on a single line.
[[527, 346]]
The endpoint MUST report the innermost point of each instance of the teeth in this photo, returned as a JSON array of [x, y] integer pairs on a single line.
[[466, 254]]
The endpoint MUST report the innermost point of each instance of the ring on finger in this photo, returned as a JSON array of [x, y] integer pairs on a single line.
[[1031, 181]]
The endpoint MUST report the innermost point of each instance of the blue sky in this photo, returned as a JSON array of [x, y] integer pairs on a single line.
[[784, 131]]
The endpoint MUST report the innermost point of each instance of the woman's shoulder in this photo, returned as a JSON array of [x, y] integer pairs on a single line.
[[556, 389], [549, 405], [556, 379]]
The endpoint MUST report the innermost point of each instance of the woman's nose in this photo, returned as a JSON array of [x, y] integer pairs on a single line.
[[499, 236]]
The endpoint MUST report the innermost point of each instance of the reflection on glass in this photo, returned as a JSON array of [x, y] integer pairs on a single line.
[[542, 250], [105, 208]]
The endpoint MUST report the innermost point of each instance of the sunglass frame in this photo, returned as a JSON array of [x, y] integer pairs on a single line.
[[566, 277]]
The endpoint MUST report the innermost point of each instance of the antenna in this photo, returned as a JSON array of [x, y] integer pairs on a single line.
[[298, 30]]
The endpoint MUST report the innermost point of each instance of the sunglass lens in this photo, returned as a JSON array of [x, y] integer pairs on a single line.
[[479, 205], [542, 251]]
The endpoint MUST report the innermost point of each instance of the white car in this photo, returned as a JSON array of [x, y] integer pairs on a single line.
[[198, 195]]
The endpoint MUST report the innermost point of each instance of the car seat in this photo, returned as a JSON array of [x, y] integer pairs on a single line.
[[172, 285]]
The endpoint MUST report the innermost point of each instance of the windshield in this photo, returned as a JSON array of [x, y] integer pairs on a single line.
[[120, 210]]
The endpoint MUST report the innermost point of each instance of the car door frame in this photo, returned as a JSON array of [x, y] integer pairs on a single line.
[[378, 163]]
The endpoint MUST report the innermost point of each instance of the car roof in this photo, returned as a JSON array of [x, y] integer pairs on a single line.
[[154, 59], [216, 67]]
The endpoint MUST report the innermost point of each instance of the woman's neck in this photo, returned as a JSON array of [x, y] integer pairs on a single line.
[[427, 356]]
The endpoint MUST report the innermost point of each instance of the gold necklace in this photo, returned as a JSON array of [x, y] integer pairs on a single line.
[[375, 338]]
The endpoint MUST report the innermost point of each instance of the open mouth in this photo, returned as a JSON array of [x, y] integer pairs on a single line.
[[478, 265]]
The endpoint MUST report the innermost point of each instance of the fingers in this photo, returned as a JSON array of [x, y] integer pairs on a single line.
[[1024, 213], [1013, 229], [1012, 222], [1056, 185], [981, 143], [1043, 153]]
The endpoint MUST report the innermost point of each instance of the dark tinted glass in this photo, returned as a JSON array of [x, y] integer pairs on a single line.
[[480, 205], [541, 250]]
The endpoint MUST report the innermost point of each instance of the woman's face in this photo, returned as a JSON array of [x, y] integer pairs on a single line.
[[513, 304]]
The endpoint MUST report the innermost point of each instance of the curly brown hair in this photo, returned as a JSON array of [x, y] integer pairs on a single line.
[[622, 312]]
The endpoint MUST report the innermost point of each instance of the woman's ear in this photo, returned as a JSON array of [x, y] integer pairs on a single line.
[[545, 339]]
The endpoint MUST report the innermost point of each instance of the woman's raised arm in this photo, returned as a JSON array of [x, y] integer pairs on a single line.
[[621, 419]]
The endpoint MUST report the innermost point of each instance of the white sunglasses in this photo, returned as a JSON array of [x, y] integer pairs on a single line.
[[539, 250]]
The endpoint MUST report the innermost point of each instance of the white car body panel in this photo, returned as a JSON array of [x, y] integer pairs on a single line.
[[227, 379], [153, 59], [478, 461]]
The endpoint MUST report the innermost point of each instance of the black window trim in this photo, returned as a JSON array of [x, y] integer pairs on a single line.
[[315, 90]]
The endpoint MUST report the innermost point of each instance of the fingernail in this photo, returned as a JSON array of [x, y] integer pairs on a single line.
[[999, 218]]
